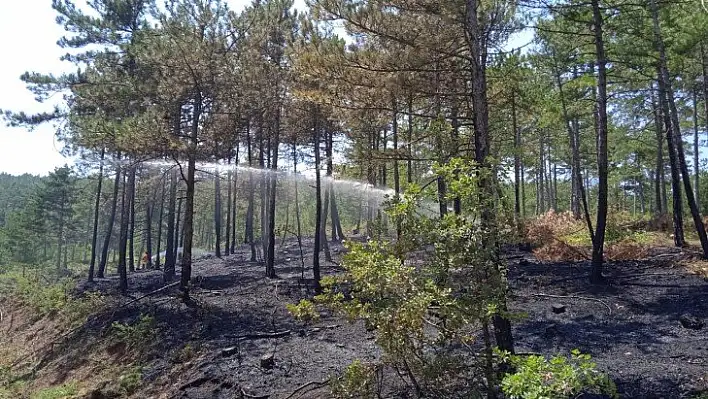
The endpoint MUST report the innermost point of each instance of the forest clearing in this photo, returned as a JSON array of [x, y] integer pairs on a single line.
[[500, 199]]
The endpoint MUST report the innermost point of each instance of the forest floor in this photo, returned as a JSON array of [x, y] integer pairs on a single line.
[[237, 340]]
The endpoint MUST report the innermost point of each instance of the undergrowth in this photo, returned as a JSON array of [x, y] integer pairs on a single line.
[[49, 298], [560, 377], [560, 237]]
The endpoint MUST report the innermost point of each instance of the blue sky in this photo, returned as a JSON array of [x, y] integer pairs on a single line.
[[29, 34]]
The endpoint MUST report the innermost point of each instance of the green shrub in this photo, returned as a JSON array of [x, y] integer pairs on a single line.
[[130, 380], [427, 293], [304, 311], [560, 377], [136, 335], [357, 381], [47, 298]]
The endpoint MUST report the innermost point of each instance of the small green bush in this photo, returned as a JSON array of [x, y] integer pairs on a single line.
[[136, 335], [304, 311], [560, 377], [357, 381], [130, 381]]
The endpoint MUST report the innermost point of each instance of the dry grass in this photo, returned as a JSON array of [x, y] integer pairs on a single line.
[[698, 267], [558, 237]]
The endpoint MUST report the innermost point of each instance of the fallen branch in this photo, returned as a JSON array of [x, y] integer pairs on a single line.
[[157, 291], [278, 334], [317, 384], [583, 298]]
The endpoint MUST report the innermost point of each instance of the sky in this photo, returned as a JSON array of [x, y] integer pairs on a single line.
[[29, 35]]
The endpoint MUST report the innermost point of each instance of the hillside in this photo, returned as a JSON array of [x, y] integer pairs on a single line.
[[235, 339]]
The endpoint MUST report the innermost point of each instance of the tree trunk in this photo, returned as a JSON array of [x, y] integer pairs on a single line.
[[517, 160], [96, 210], [227, 244], [696, 153], [263, 191], [217, 212], [148, 233], [123, 238], [297, 212], [478, 52], [111, 221], [659, 190], [158, 259], [233, 205], [602, 161], [131, 231], [270, 259], [676, 131], [172, 217], [679, 239], [188, 229], [318, 203], [178, 235], [251, 198]]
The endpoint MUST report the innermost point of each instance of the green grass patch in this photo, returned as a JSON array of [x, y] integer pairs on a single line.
[[64, 391]]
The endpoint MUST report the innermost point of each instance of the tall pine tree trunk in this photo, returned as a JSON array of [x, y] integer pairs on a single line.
[[270, 259], [676, 130], [602, 158], [227, 243], [188, 229], [96, 211], [131, 231], [478, 53], [696, 150], [659, 189], [234, 199], [251, 198], [111, 221], [172, 217], [158, 259], [123, 238], [217, 212], [318, 203], [679, 239]]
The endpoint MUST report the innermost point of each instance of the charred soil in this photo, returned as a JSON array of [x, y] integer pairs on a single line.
[[235, 338]]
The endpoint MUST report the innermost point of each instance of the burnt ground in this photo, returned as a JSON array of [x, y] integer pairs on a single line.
[[236, 339]]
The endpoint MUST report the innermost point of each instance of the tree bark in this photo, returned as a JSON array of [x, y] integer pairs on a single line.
[[270, 259], [158, 259], [227, 244], [659, 190], [111, 221], [96, 210], [248, 239], [602, 161], [676, 131], [172, 217], [234, 199], [696, 153], [318, 203], [517, 159], [217, 212], [188, 229], [123, 239], [148, 233], [131, 231], [478, 52]]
